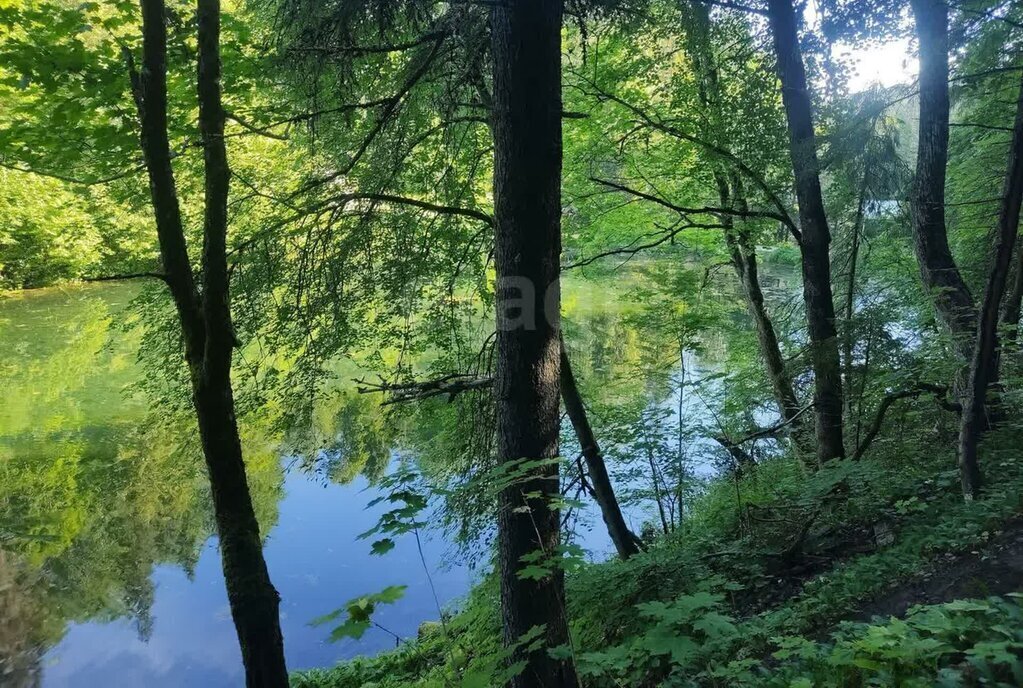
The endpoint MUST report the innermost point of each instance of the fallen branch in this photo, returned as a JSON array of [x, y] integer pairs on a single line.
[[126, 276], [400, 392]]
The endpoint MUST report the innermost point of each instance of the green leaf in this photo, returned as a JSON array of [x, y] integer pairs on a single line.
[[383, 546]]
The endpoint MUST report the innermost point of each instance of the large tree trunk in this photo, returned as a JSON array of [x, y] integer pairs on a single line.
[[951, 297], [984, 350], [624, 540], [526, 49], [816, 237], [207, 331], [741, 247]]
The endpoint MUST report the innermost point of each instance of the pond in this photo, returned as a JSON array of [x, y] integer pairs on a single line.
[[109, 570]]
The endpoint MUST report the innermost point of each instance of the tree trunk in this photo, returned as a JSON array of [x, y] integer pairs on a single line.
[[850, 299], [1011, 310], [816, 237], [252, 597], [737, 236], [207, 331], [744, 261], [526, 50], [984, 351], [603, 492], [951, 297]]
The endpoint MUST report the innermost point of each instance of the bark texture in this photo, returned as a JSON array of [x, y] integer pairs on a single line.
[[816, 236], [973, 420], [625, 540], [208, 334], [526, 50], [938, 270]]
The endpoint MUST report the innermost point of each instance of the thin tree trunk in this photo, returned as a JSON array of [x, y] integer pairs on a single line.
[[657, 491], [737, 236], [816, 237], [973, 422], [938, 270], [526, 50], [850, 296], [1011, 310], [744, 260], [208, 334], [624, 540]]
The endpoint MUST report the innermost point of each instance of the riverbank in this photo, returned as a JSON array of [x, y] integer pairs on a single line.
[[775, 579]]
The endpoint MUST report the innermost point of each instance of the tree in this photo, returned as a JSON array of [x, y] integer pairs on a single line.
[[526, 53], [625, 541], [985, 348], [938, 270], [815, 234], [738, 234], [204, 313]]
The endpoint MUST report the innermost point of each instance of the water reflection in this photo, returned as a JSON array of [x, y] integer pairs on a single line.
[[108, 568], [109, 573]]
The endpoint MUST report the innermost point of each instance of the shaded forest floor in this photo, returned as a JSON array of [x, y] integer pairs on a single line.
[[993, 569]]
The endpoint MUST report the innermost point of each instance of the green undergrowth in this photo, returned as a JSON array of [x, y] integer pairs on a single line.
[[763, 586]]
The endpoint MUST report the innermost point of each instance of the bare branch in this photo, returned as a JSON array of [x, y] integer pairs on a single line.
[[400, 392], [774, 429], [252, 128], [682, 210], [667, 234], [416, 203]]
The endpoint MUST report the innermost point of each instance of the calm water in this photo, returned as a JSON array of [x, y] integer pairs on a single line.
[[109, 571]]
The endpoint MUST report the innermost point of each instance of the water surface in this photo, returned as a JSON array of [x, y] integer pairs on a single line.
[[109, 569]]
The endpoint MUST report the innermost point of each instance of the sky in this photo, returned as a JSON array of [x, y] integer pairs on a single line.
[[887, 64]]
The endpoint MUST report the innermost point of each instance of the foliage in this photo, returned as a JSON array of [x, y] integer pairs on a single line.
[[361, 243]]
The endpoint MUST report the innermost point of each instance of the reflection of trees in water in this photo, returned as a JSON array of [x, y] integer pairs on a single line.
[[88, 518], [94, 494], [92, 497], [347, 435]]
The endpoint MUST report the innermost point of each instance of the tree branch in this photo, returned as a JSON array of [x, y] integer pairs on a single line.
[[98, 181], [891, 398], [735, 6], [126, 276], [416, 203], [682, 210], [713, 148], [400, 392], [632, 249]]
